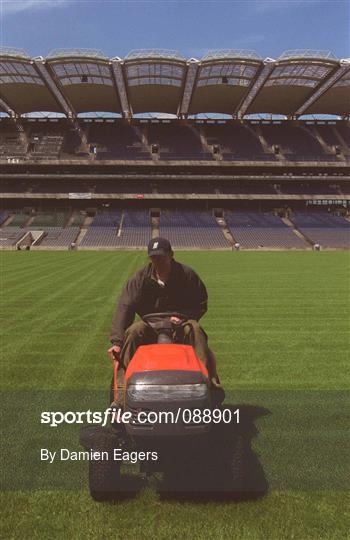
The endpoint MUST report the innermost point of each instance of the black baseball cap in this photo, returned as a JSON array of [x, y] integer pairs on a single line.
[[159, 246]]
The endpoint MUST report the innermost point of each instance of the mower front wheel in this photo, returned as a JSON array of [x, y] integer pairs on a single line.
[[104, 471]]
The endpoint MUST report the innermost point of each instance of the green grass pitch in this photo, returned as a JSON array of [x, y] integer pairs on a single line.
[[278, 323]]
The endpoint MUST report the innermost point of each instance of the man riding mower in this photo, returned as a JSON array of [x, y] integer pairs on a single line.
[[164, 285], [165, 380]]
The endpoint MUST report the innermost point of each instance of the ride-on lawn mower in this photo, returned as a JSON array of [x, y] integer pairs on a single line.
[[175, 422]]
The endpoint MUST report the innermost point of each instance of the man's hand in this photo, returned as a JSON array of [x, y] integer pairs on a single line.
[[114, 352], [175, 320]]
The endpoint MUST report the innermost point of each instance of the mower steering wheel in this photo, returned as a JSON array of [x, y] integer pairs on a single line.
[[154, 317]]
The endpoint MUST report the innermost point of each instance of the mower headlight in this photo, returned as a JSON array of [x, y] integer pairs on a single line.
[[166, 392]]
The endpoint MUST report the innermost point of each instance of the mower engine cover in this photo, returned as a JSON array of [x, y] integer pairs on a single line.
[[166, 378]]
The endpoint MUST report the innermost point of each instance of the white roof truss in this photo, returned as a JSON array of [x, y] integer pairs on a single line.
[[189, 86], [258, 83], [335, 77], [118, 76], [53, 85]]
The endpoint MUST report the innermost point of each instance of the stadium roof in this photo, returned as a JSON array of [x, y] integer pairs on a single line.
[[234, 82]]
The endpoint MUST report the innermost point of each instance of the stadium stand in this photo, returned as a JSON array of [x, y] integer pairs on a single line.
[[178, 140], [192, 229], [236, 141], [12, 145], [319, 219], [136, 229], [18, 220], [77, 219], [345, 189], [130, 229], [295, 142], [305, 188], [193, 141], [253, 230], [56, 237], [124, 187], [183, 142], [116, 142], [329, 134], [45, 140], [3, 217], [48, 220], [99, 238], [103, 231], [9, 236], [323, 228], [246, 187], [106, 219]]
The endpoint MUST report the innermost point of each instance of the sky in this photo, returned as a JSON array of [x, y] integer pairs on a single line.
[[268, 27]]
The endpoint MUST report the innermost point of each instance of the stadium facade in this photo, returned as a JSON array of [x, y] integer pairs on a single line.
[[232, 179]]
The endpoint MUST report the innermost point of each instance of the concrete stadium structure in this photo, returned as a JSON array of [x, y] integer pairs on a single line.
[[230, 180]]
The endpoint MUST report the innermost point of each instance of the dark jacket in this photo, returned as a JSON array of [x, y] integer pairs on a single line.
[[184, 292]]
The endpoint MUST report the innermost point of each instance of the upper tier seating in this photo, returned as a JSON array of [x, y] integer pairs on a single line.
[[117, 142], [46, 146], [328, 134], [236, 141], [12, 145], [294, 141], [179, 143], [344, 132]]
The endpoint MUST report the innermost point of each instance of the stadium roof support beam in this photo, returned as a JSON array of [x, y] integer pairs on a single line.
[[258, 83], [119, 79], [189, 86], [7, 108], [51, 84], [326, 85]]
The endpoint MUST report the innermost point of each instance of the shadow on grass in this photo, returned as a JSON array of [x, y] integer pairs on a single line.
[[226, 469], [219, 467]]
